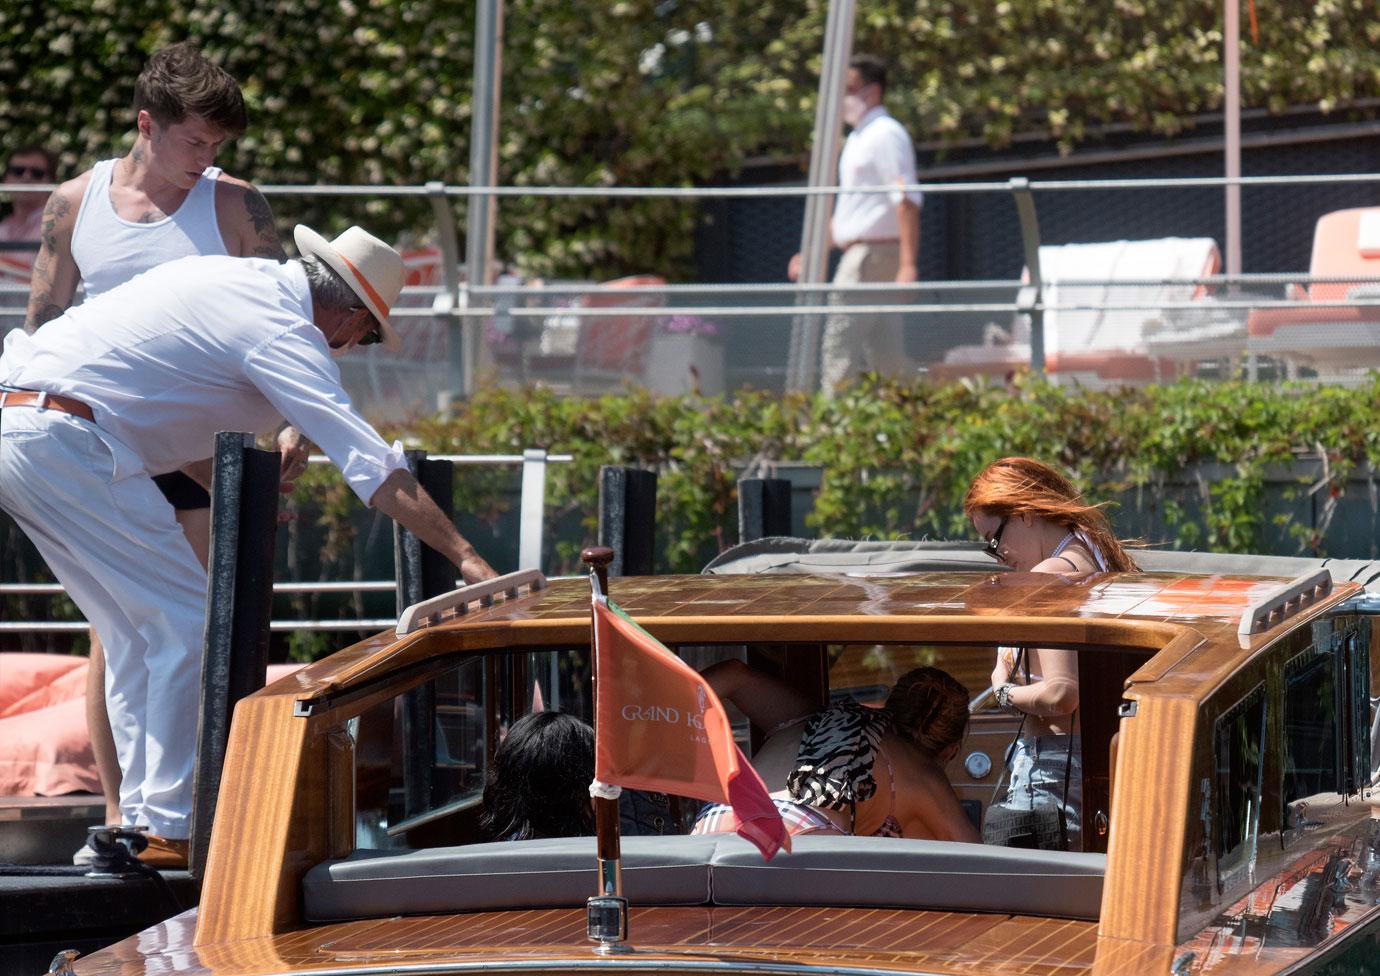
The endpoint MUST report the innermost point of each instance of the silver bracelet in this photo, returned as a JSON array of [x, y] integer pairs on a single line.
[[1004, 700]]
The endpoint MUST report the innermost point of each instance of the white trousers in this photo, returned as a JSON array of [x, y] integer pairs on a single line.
[[85, 501]]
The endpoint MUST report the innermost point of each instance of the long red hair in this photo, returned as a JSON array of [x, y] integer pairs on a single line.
[[1024, 486]]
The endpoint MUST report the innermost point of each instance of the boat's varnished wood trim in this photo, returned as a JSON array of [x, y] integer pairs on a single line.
[[272, 823], [1044, 631], [1140, 899], [956, 608], [882, 939], [288, 781]]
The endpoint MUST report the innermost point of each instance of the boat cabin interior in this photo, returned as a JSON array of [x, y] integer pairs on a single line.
[[1214, 754]]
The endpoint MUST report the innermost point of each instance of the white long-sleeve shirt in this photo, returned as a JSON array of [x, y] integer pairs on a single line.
[[199, 345]]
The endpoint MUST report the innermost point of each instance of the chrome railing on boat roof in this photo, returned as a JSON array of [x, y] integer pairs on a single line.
[[456, 602], [1287, 601]]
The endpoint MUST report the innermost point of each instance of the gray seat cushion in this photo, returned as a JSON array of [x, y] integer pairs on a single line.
[[880, 872], [554, 873], [720, 870]]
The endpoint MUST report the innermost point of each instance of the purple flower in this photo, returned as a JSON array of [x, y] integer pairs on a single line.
[[689, 325]]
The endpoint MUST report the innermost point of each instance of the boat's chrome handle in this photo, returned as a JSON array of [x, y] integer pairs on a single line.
[[1284, 602], [457, 601]]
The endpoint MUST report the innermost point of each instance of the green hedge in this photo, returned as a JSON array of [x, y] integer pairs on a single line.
[[645, 92], [1229, 467], [1194, 463]]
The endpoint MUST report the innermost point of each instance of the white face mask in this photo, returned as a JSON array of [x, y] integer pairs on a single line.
[[854, 108]]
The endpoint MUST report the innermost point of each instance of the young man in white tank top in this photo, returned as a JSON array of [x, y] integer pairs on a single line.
[[164, 200]]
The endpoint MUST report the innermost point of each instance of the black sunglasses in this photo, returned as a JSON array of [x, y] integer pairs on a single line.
[[994, 543], [374, 335], [38, 172]]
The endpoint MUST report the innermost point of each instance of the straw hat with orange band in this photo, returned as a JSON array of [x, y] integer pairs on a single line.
[[372, 269]]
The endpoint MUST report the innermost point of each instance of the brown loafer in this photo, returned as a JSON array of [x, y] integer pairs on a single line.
[[165, 853]]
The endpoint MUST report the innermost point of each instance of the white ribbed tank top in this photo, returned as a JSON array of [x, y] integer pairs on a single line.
[[110, 250]]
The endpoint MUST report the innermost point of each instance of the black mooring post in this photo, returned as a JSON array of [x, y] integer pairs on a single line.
[[764, 508], [239, 607], [627, 519], [422, 573]]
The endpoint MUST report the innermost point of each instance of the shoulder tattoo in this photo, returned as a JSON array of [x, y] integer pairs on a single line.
[[266, 243]]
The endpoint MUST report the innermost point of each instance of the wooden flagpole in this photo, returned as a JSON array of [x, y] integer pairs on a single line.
[[606, 911]]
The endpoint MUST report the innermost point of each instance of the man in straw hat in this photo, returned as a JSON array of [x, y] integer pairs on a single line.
[[136, 382]]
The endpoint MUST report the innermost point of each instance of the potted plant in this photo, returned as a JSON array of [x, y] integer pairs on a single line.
[[687, 356]]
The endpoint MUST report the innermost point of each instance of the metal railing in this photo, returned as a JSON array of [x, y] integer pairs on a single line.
[[533, 463], [543, 331]]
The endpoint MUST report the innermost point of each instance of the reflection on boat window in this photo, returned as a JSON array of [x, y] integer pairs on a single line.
[[1238, 746], [420, 754], [1359, 687], [1312, 750], [421, 758]]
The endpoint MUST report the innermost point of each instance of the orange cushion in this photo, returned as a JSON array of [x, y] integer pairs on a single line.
[[44, 748], [31, 681]]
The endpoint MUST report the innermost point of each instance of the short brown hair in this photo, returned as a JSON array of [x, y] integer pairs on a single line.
[[929, 707], [33, 149], [178, 81]]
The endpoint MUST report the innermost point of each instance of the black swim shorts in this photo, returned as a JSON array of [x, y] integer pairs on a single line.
[[182, 491]]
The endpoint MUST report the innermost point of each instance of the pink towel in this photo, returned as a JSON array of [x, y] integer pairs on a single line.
[[44, 746]]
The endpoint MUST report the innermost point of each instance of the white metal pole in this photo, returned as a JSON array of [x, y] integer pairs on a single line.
[[1231, 111], [483, 208], [803, 353]]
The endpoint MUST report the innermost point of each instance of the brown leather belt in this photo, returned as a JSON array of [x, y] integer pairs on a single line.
[[45, 401]]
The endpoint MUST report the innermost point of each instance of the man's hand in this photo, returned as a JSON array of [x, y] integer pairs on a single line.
[[475, 570], [295, 449], [793, 267], [906, 274]]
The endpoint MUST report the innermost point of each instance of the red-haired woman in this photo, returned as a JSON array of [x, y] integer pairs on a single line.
[[1035, 521]]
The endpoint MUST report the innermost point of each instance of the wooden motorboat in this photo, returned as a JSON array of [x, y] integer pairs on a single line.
[[1228, 775]]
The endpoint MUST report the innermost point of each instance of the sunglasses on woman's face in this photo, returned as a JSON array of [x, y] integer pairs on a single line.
[[994, 543]]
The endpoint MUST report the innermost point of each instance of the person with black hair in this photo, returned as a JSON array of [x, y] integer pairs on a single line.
[[538, 785]]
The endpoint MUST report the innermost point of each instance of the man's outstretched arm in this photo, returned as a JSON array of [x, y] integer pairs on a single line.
[[402, 499]]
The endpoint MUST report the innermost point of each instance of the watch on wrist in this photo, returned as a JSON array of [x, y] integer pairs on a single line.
[[1004, 701]]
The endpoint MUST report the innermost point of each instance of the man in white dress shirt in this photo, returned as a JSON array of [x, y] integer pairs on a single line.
[[137, 382], [879, 233]]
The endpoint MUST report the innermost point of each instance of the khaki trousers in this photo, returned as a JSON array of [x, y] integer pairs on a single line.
[[858, 343]]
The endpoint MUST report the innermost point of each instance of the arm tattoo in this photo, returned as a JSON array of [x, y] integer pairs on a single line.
[[42, 305], [46, 313], [58, 208], [260, 216]]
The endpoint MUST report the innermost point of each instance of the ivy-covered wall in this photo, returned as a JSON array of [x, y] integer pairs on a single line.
[[645, 92]]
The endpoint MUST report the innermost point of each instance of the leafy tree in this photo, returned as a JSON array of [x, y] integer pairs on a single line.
[[644, 92]]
